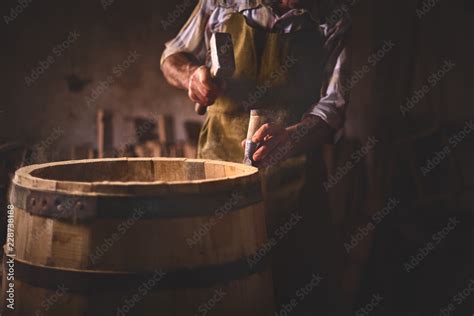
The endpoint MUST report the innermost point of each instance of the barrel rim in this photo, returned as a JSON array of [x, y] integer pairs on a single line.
[[24, 178]]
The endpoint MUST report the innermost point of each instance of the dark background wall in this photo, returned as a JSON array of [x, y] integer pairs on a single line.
[[54, 108]]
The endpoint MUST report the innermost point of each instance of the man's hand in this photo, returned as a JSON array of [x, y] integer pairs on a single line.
[[278, 143], [182, 70], [202, 89], [275, 144]]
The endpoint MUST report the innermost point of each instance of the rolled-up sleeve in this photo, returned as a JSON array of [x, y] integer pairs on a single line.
[[331, 107], [191, 38]]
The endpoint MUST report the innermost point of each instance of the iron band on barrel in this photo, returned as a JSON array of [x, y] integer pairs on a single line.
[[83, 208], [89, 280]]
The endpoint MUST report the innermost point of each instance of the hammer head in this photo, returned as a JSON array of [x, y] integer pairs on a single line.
[[222, 55]]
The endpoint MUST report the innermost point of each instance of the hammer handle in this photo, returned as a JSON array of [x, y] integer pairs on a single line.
[[200, 109]]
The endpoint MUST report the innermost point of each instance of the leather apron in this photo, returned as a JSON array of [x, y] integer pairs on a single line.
[[281, 73], [274, 71]]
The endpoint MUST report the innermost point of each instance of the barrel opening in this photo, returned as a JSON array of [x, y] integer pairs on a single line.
[[139, 170]]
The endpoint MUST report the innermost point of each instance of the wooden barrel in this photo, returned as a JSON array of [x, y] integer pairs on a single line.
[[134, 236]]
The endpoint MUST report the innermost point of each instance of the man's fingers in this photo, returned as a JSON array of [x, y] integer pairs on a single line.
[[205, 79], [264, 131], [202, 87], [197, 97], [203, 99], [209, 94], [267, 148], [201, 94]]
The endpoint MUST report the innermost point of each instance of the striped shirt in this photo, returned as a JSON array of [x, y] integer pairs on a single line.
[[209, 16]]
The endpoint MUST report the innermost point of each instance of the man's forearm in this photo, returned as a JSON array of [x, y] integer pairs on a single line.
[[178, 68], [309, 133]]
